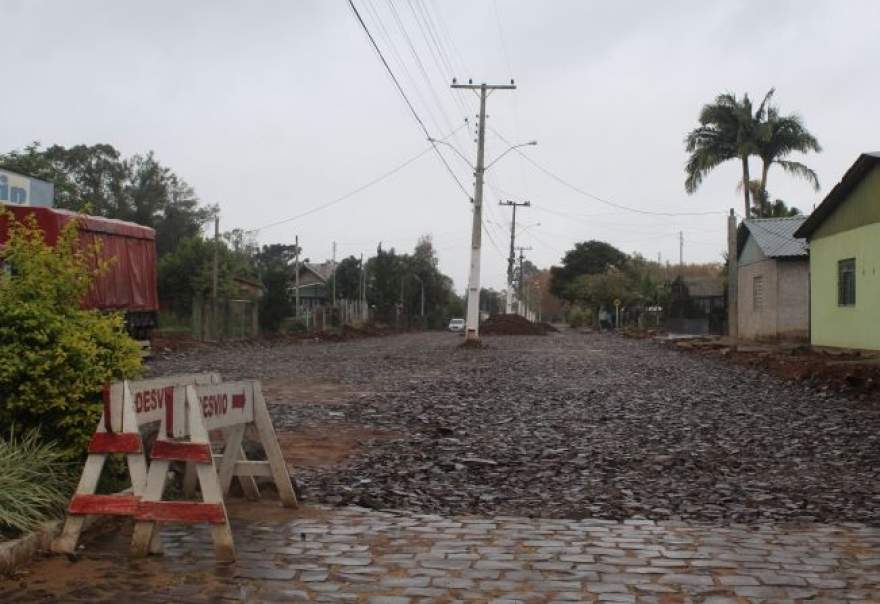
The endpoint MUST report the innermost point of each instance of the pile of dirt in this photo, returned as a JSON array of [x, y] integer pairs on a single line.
[[511, 325], [548, 328]]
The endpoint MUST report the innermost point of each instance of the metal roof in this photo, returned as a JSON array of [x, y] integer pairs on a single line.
[[862, 166], [775, 236]]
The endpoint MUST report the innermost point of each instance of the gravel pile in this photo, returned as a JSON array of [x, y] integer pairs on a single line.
[[574, 426]]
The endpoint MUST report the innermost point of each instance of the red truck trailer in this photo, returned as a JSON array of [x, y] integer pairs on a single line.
[[129, 285]]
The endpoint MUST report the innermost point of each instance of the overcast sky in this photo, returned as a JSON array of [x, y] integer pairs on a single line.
[[273, 108]]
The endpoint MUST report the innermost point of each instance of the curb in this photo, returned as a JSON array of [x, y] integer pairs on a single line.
[[21, 551]]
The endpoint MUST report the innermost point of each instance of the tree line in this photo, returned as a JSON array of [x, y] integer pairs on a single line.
[[595, 274], [99, 180]]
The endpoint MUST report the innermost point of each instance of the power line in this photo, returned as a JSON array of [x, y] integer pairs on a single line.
[[351, 193], [419, 64], [406, 98], [577, 189]]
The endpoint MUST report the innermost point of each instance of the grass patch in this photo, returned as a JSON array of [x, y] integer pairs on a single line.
[[35, 482]]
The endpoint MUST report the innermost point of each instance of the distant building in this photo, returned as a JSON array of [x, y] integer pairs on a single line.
[[23, 190], [844, 238], [315, 284], [773, 281], [697, 305]]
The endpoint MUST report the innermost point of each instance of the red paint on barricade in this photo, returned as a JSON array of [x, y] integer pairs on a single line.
[[106, 442], [176, 451], [238, 401], [112, 505], [180, 511], [169, 411]]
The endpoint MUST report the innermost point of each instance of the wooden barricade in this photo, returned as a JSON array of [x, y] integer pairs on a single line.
[[189, 408], [127, 406], [197, 411]]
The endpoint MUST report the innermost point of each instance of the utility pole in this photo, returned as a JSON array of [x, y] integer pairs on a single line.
[[215, 278], [511, 259], [472, 328], [681, 252], [521, 276], [334, 273], [296, 275], [366, 310], [732, 279]]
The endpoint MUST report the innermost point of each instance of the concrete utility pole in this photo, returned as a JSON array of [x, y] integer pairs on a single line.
[[472, 327], [522, 278], [732, 278], [296, 275], [511, 260], [422, 284], [215, 278], [334, 273], [681, 249]]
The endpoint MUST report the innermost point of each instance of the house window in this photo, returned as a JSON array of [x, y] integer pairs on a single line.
[[757, 293], [846, 282]]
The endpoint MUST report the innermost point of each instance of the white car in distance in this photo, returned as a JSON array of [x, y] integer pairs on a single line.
[[456, 325]]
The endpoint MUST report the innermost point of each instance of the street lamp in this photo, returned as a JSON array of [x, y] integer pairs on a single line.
[[472, 324], [509, 149]]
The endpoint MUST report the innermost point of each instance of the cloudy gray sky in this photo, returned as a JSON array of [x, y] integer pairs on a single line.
[[273, 108]]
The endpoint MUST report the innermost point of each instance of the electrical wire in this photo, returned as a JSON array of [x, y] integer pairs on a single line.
[[351, 193], [421, 66], [406, 98], [607, 202]]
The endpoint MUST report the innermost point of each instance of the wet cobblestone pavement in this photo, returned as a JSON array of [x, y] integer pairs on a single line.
[[352, 554]]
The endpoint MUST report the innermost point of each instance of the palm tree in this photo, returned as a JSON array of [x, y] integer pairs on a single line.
[[728, 129], [763, 207], [779, 136]]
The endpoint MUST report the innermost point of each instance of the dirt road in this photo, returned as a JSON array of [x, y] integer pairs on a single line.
[[560, 426]]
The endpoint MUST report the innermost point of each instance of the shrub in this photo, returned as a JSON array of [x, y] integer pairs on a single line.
[[577, 317], [35, 482], [55, 356]]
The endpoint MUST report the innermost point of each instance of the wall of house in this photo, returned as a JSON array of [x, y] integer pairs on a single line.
[[757, 324], [784, 313], [793, 299], [856, 326]]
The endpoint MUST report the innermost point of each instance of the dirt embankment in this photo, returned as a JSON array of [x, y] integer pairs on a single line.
[[855, 375]]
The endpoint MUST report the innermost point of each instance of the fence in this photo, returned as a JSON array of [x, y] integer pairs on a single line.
[[345, 312], [236, 319]]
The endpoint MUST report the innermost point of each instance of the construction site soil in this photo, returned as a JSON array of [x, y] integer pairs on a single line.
[[566, 425], [513, 325], [842, 373]]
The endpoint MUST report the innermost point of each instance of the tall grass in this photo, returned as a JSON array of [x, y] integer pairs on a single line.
[[35, 482]]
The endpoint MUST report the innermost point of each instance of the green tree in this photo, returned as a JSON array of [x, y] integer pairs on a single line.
[[348, 278], [601, 290], [383, 290], [587, 258], [730, 129], [186, 273]]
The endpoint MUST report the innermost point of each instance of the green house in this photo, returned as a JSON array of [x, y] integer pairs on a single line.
[[844, 238]]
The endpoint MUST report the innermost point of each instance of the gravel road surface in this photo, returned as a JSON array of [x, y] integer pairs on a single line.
[[561, 426]]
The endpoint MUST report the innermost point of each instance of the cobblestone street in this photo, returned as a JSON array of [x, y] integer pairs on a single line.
[[357, 555]]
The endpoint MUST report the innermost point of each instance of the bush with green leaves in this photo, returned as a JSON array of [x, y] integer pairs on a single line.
[[35, 482], [55, 357]]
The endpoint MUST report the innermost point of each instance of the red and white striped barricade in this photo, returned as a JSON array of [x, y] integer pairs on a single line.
[[127, 406], [197, 411]]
